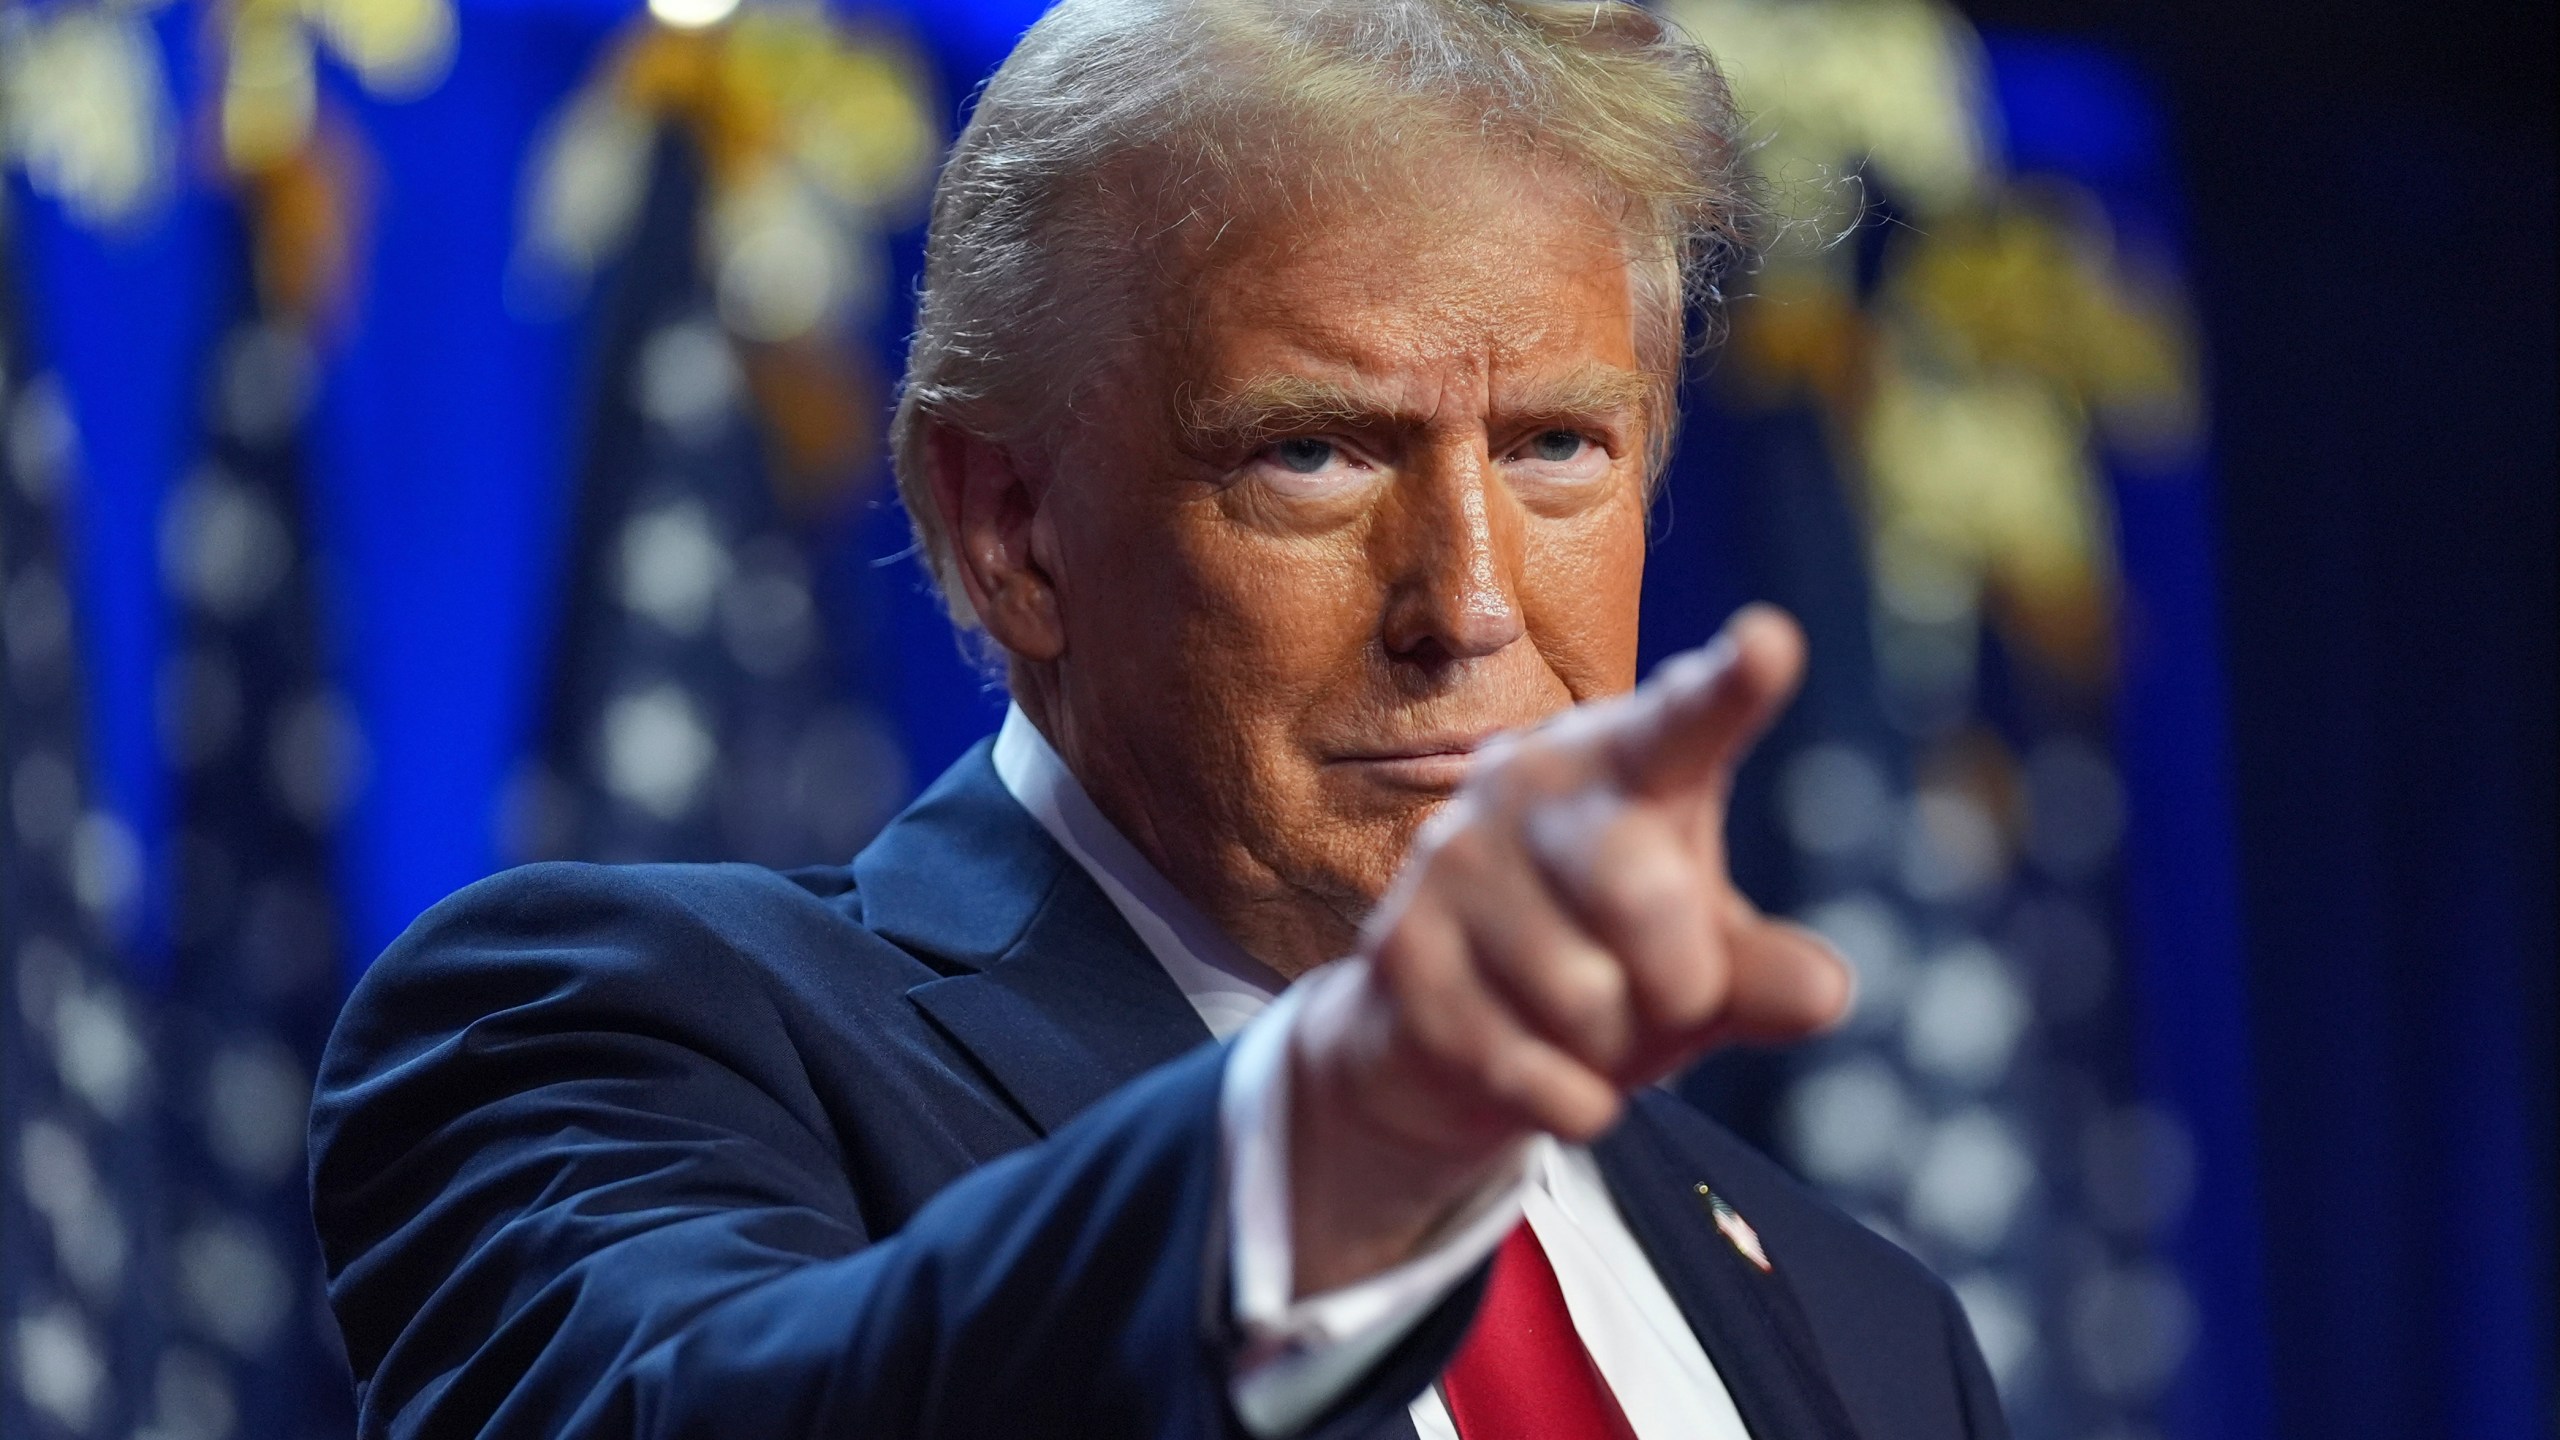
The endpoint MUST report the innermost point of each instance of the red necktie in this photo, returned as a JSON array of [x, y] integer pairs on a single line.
[[1522, 1373]]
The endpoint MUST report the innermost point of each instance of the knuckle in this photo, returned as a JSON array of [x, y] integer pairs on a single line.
[[1570, 1105], [1413, 1031], [1514, 1079], [1585, 985], [1587, 997], [1641, 884], [1685, 997], [1409, 962]]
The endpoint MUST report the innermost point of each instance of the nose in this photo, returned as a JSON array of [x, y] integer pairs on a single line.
[[1449, 548]]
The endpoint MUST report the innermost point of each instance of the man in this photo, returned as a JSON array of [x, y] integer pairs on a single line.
[[1289, 383]]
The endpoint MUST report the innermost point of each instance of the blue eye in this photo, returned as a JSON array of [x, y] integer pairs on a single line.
[[1303, 455], [1557, 446]]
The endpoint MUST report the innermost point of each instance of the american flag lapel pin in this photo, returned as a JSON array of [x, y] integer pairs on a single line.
[[1735, 1228]]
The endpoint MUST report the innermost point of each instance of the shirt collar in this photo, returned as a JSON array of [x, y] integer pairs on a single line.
[[1224, 984]]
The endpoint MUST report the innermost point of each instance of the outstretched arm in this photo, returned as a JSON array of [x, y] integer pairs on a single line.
[[572, 1182]]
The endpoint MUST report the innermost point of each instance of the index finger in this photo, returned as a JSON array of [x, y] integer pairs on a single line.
[[1691, 721]]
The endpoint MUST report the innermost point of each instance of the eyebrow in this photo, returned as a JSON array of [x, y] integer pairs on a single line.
[[1275, 405]]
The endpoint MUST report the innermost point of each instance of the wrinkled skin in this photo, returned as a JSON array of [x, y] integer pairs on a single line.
[[1214, 641], [1370, 495]]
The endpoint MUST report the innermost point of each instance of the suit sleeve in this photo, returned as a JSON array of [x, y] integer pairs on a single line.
[[571, 1181]]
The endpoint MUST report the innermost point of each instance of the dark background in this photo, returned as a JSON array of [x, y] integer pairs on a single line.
[[2370, 191]]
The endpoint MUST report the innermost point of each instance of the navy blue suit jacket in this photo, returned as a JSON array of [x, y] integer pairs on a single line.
[[927, 1146]]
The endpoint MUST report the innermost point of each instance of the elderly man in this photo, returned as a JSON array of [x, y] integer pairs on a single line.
[[1283, 411]]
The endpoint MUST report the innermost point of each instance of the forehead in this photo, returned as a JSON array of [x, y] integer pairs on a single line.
[[1480, 271]]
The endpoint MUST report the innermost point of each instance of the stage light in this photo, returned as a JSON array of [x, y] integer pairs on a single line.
[[692, 14]]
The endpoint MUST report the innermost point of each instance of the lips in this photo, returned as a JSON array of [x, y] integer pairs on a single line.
[[1437, 762], [1422, 749]]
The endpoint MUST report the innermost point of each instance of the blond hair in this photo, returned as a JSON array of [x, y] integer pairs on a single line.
[[1117, 123]]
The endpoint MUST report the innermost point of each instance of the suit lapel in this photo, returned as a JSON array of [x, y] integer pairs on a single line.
[[1044, 984], [1071, 1012], [1748, 1319]]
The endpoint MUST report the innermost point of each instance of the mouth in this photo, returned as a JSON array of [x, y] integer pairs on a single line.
[[1437, 764]]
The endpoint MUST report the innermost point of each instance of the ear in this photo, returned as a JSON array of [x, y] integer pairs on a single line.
[[989, 504]]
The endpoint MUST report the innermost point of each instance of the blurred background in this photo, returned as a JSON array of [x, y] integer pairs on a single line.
[[436, 434]]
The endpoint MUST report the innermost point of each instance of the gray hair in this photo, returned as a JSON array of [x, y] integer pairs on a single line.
[[1118, 123]]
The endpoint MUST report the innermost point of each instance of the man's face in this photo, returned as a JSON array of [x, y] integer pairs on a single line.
[[1373, 493]]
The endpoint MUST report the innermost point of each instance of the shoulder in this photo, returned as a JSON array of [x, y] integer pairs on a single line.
[[715, 952], [537, 904]]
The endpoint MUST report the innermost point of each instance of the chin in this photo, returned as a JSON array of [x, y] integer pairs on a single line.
[[1372, 836]]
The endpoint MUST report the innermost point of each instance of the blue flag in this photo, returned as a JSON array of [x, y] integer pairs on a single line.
[[264, 753], [78, 1078], [695, 709]]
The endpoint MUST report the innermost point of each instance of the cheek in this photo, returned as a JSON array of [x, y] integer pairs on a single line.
[[1214, 618], [1582, 585], [1288, 615]]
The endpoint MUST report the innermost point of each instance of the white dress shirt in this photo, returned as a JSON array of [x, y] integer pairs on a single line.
[[1302, 1354]]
